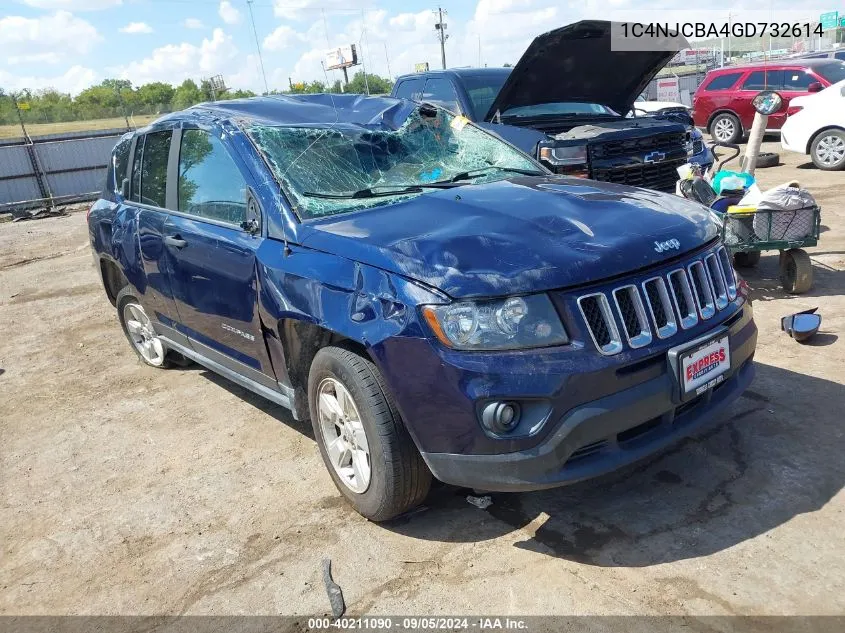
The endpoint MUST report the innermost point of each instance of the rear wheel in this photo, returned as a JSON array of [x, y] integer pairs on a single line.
[[363, 442], [139, 330], [796, 271], [828, 150], [748, 259], [726, 128]]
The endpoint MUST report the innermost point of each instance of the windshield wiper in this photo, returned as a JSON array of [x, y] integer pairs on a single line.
[[380, 191], [475, 173]]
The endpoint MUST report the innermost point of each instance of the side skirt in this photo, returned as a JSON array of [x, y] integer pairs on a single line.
[[283, 399]]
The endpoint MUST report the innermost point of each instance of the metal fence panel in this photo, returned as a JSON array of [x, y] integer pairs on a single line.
[[70, 166]]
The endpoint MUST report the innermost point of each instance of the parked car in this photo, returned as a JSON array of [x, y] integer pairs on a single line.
[[435, 301], [836, 53], [722, 103], [642, 106], [816, 126], [565, 102]]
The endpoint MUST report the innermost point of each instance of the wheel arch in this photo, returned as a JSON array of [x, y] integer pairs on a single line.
[[113, 279], [818, 133]]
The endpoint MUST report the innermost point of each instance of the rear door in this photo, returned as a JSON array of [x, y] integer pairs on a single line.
[[211, 254], [755, 82], [148, 199]]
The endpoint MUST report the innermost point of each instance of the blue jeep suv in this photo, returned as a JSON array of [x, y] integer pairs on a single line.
[[436, 302]]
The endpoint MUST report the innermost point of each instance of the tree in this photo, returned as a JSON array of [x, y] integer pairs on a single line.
[[377, 85], [186, 95], [156, 94]]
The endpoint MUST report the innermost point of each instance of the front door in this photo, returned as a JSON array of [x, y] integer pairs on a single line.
[[211, 256]]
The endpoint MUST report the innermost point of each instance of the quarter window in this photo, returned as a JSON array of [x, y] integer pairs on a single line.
[[119, 162], [210, 183]]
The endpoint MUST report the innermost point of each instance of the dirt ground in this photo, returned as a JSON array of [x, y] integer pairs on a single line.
[[130, 490]]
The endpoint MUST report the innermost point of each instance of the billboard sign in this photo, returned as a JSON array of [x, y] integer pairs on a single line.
[[829, 20], [421, 67], [341, 57]]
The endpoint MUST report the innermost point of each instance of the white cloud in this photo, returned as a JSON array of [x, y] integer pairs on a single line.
[[76, 5], [282, 38], [52, 37], [228, 13], [176, 62], [312, 9], [194, 23], [74, 80], [137, 27]]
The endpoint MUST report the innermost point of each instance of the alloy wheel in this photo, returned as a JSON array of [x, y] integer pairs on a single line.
[[343, 435], [830, 150], [142, 334], [724, 130]]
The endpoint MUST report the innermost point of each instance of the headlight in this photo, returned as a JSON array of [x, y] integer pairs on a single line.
[[512, 323], [564, 155]]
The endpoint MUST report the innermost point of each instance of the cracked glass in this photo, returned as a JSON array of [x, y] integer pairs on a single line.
[[322, 167]]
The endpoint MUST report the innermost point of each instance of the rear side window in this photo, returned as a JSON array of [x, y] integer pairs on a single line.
[[410, 89], [210, 183], [119, 162], [723, 82], [442, 93], [797, 80], [764, 80]]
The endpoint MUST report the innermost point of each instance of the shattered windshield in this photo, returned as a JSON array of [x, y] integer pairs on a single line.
[[339, 168]]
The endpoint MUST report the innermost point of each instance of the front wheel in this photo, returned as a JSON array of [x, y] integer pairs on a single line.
[[363, 442], [828, 150]]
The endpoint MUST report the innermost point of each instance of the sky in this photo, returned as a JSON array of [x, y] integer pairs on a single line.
[[71, 44]]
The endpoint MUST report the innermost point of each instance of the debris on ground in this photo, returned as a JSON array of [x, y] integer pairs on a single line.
[[480, 502], [333, 590], [37, 214]]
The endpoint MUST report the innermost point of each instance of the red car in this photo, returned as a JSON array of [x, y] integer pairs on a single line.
[[722, 103]]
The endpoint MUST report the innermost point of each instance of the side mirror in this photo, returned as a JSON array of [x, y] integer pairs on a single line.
[[814, 87], [252, 224], [124, 188], [802, 325]]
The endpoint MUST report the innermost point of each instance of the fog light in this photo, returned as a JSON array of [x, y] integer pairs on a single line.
[[500, 417]]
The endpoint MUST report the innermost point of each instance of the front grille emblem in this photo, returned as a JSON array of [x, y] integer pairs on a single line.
[[654, 157]]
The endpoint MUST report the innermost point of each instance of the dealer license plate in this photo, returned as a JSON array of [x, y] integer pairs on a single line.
[[703, 368]]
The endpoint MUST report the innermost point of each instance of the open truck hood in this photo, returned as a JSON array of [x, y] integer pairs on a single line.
[[575, 63], [525, 234]]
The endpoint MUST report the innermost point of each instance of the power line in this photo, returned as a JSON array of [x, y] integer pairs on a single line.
[[258, 47]]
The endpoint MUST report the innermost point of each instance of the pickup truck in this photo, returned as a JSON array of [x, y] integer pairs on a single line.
[[565, 103], [437, 303]]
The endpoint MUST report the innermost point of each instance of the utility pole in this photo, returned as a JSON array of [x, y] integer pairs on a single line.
[[440, 27], [258, 47]]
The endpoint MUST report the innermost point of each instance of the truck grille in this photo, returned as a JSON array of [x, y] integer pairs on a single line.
[[660, 305], [659, 176], [668, 141]]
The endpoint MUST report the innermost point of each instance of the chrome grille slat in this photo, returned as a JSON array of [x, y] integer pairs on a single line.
[[703, 292], [632, 311], [727, 271], [682, 296], [601, 323], [660, 307], [717, 281]]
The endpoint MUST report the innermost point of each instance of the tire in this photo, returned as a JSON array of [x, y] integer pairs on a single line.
[[725, 128], [768, 159], [828, 150], [796, 271], [398, 477], [131, 314], [747, 259]]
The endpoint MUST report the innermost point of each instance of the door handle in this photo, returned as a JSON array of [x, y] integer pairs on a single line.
[[175, 241]]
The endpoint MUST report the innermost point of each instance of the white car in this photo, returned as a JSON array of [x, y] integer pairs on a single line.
[[816, 126], [644, 107]]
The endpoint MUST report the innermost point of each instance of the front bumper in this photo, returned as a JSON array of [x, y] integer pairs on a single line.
[[604, 434]]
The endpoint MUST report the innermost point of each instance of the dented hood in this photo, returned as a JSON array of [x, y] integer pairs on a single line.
[[526, 234], [575, 63]]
